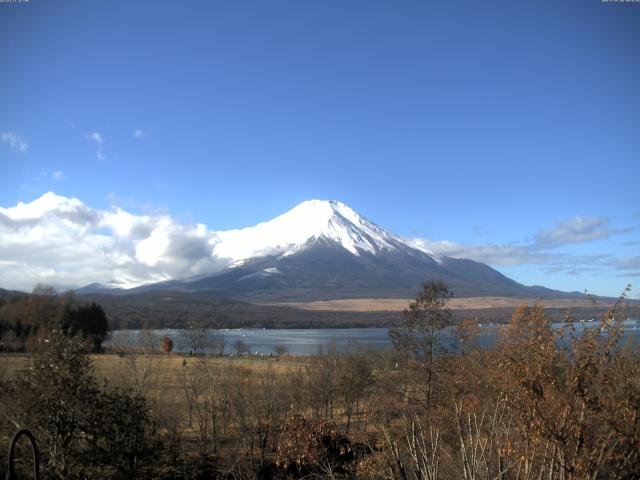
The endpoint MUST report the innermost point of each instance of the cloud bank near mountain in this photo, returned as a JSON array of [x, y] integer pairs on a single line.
[[544, 251], [63, 242]]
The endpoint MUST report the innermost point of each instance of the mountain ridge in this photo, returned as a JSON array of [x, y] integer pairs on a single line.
[[307, 221], [323, 249]]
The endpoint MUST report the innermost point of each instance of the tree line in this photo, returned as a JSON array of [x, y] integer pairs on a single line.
[[26, 319]]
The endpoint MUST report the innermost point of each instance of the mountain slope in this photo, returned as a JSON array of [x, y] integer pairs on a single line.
[[325, 250], [325, 271], [298, 228]]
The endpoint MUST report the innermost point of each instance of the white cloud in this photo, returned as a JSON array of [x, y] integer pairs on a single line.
[[15, 141], [542, 251], [99, 141], [627, 263], [138, 133], [58, 175], [61, 241], [490, 254], [96, 137], [575, 230]]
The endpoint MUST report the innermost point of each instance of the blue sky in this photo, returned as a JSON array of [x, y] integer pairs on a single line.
[[508, 132]]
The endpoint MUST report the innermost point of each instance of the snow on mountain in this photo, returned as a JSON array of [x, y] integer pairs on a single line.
[[310, 220], [325, 250], [313, 223]]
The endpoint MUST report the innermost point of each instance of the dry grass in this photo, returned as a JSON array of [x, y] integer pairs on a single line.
[[399, 304], [163, 371]]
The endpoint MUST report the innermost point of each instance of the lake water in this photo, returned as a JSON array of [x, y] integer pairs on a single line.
[[313, 341]]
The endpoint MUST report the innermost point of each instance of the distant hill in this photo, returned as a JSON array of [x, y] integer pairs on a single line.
[[8, 295]]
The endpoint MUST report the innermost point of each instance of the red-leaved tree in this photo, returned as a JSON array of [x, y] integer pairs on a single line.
[[167, 344]]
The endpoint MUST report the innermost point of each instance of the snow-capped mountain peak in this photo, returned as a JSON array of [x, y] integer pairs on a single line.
[[322, 250], [330, 225], [308, 221]]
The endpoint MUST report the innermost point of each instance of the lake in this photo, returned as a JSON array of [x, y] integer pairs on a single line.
[[314, 341]]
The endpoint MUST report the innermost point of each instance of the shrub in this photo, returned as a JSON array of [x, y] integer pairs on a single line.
[[80, 428]]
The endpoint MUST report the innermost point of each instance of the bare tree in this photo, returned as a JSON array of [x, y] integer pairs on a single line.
[[218, 343], [259, 403], [196, 339], [200, 383], [241, 347], [467, 333], [354, 381], [280, 349], [320, 386], [484, 440], [416, 454], [138, 366], [416, 339]]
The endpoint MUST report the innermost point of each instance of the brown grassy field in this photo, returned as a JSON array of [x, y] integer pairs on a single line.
[[166, 369], [183, 392], [399, 304]]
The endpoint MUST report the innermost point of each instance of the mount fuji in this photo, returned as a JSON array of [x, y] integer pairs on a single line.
[[323, 250]]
